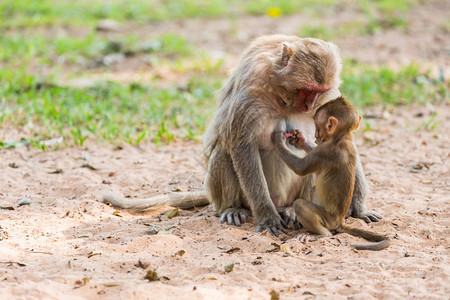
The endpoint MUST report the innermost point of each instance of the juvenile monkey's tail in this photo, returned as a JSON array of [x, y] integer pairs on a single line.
[[381, 241], [184, 200]]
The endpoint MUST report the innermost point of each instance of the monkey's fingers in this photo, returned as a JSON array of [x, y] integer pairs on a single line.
[[227, 217], [297, 225], [287, 135], [230, 219], [303, 238], [373, 216], [293, 141], [284, 223], [223, 218], [273, 231], [237, 222], [242, 217]]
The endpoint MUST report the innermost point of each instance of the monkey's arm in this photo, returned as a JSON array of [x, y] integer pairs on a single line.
[[309, 145], [247, 164], [310, 164]]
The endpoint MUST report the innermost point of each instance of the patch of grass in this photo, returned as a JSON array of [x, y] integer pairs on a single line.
[[367, 86], [25, 13], [62, 49], [371, 26], [131, 113]]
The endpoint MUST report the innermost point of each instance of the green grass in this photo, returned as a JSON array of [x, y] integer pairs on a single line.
[[367, 86], [368, 27], [111, 111], [25, 13], [40, 49]]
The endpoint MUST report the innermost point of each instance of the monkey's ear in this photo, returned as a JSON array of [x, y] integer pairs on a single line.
[[357, 124], [331, 125], [287, 53]]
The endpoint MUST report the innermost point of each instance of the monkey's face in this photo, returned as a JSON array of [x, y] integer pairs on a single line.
[[311, 68], [325, 127], [319, 121]]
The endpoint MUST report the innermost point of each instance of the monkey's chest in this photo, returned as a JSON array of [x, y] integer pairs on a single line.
[[284, 184], [302, 122]]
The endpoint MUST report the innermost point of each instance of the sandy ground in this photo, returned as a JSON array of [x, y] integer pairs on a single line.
[[67, 244]]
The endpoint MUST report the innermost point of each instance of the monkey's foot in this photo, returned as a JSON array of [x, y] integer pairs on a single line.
[[272, 225], [369, 216], [235, 216], [289, 217], [305, 238]]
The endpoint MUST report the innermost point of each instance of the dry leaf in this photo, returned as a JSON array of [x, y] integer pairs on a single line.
[[151, 275], [286, 249], [89, 167], [274, 295], [274, 247], [232, 250], [142, 264], [82, 282], [93, 253], [85, 235], [13, 165], [7, 207], [56, 171], [172, 213], [112, 284]]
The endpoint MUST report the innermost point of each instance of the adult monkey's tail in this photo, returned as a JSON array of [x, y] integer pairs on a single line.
[[184, 200], [381, 241]]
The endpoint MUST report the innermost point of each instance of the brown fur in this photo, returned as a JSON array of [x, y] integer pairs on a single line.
[[333, 161]]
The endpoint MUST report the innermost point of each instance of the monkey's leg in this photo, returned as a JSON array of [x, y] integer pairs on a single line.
[[312, 217], [223, 189], [358, 208]]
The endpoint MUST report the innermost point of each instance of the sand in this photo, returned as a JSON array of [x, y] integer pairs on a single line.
[[67, 244]]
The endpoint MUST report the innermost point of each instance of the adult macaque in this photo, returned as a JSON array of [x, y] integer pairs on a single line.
[[277, 85], [333, 161]]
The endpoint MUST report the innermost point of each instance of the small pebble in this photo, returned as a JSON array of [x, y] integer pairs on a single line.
[[24, 202], [228, 267]]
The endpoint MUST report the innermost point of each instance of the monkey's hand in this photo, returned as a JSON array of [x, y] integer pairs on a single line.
[[297, 138], [278, 137], [289, 216], [368, 216], [235, 216], [305, 238], [271, 224]]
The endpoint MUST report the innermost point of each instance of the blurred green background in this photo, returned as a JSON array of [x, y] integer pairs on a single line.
[[146, 71]]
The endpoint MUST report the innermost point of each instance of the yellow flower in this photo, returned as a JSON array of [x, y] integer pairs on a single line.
[[274, 12]]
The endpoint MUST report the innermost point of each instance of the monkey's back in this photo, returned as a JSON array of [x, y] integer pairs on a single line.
[[335, 183]]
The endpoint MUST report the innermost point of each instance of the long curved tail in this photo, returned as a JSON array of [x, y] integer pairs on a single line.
[[184, 200], [381, 241]]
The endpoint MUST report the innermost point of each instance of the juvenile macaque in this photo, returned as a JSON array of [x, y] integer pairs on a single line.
[[278, 84], [333, 161]]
